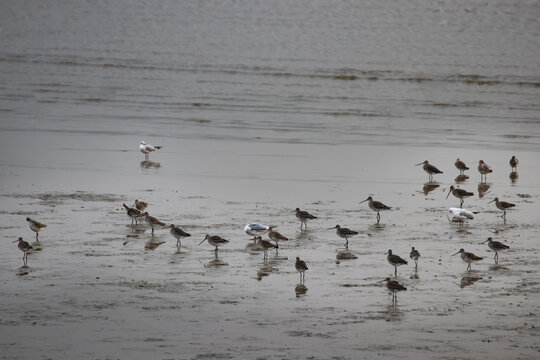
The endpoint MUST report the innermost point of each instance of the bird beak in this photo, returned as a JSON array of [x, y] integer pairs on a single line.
[[483, 242], [491, 201], [331, 228], [419, 164], [202, 241], [456, 253], [15, 241], [448, 194], [364, 201]]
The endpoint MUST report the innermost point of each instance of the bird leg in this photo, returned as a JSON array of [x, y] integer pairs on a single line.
[[378, 217], [469, 267], [496, 257], [461, 204], [395, 271]]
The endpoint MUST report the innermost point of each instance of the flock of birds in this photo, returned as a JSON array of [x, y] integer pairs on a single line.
[[138, 214]]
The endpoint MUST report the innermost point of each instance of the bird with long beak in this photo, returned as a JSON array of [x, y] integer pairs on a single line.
[[376, 206], [502, 205], [344, 233], [461, 194], [215, 240], [24, 247], [496, 246], [430, 169], [468, 257]]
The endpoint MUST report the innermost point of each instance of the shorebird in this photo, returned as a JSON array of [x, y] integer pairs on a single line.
[[502, 205], [133, 213], [255, 230], [147, 149], [394, 287], [24, 247], [301, 267], [376, 206], [496, 246], [178, 234], [214, 240], [459, 193], [468, 257], [484, 169], [303, 216], [461, 166], [344, 233], [36, 227], [265, 244], [395, 261], [140, 205], [430, 169], [460, 215], [415, 255], [152, 221], [274, 235], [514, 162]]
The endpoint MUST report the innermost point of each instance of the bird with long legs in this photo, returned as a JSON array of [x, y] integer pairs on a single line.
[[468, 257], [344, 233], [178, 234], [430, 169], [395, 261], [152, 221], [265, 244], [393, 287], [303, 216], [133, 214], [216, 241], [415, 255], [36, 227], [24, 247], [461, 194], [376, 206], [461, 166], [301, 267], [484, 169], [502, 205], [514, 162], [496, 246]]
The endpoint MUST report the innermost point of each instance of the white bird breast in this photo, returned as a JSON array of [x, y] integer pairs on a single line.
[[461, 214]]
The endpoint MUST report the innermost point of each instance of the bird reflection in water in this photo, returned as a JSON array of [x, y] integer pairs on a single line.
[[153, 243], [300, 290], [216, 262], [468, 280], [346, 255], [514, 176], [461, 178], [483, 188], [147, 164], [429, 187]]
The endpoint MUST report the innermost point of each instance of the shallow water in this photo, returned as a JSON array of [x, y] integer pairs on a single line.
[[262, 109]]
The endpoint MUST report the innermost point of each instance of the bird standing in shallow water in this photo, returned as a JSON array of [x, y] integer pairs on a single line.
[[301, 267], [459, 193], [36, 227], [415, 255], [376, 206], [502, 205], [461, 166], [178, 234], [484, 169], [147, 149], [430, 169], [468, 257], [215, 240], [152, 221], [303, 216], [24, 247], [496, 246], [514, 162], [344, 233], [133, 213], [395, 261], [394, 287], [265, 244], [461, 215]]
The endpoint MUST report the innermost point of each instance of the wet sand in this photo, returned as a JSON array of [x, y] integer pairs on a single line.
[[102, 289]]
